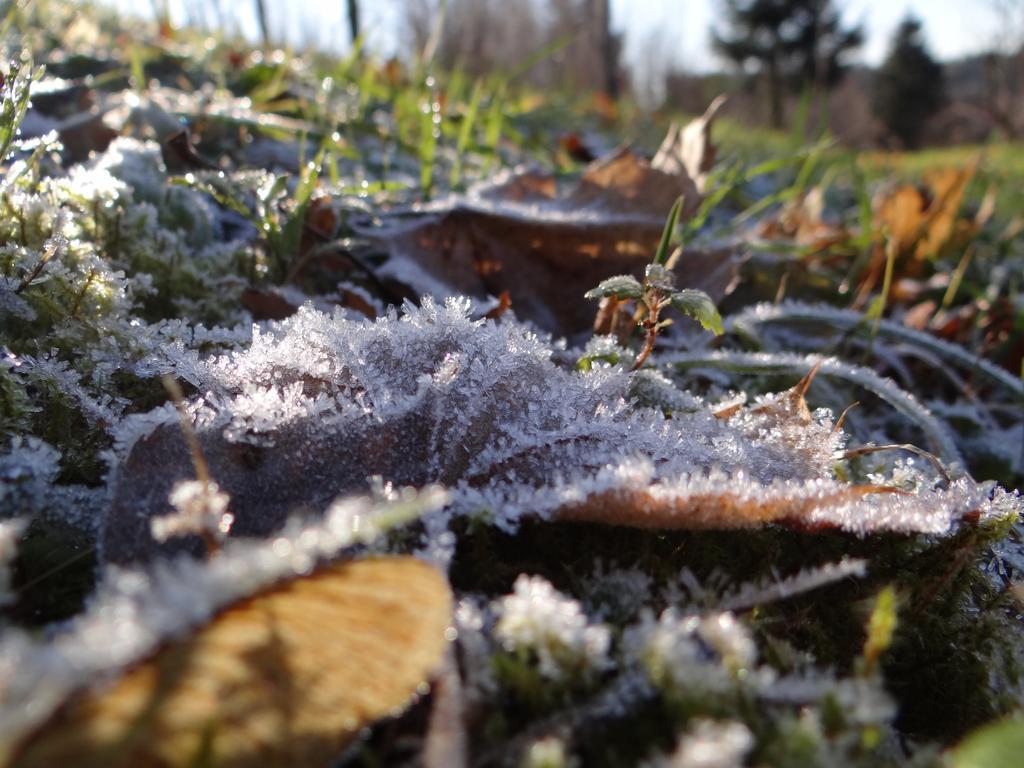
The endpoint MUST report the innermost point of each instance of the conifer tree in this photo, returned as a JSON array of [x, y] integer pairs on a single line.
[[909, 86], [791, 43]]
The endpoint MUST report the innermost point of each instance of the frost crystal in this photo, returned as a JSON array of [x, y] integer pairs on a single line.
[[536, 618], [200, 507], [710, 744], [694, 653], [319, 403], [729, 639], [547, 752], [27, 472]]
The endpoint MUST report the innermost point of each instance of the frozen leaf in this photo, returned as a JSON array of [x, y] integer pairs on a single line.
[[621, 286], [700, 307], [136, 612], [289, 676], [319, 404]]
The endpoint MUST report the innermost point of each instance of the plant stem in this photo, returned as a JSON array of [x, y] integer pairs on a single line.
[[654, 304]]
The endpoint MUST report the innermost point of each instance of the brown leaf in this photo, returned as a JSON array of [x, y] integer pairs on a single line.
[[924, 221], [525, 187], [689, 150], [719, 510], [547, 247], [84, 134], [920, 315], [288, 677], [626, 183], [803, 221], [352, 300], [545, 264], [267, 304]]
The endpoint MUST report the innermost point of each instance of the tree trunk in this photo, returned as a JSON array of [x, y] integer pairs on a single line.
[[261, 17], [608, 57], [775, 91], [353, 20]]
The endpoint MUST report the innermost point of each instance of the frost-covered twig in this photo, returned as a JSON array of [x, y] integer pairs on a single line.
[[745, 323], [938, 435], [751, 595]]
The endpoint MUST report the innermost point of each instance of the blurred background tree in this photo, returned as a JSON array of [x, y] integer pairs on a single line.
[[909, 87], [484, 36], [789, 43]]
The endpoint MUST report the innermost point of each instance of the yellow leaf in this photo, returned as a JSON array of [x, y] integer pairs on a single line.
[[288, 677]]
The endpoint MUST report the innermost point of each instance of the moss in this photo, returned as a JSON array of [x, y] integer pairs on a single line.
[[54, 572]]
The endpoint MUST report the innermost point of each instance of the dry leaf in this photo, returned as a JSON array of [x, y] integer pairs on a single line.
[[802, 220], [547, 246], [267, 304], [546, 265], [625, 183], [925, 221], [288, 677], [321, 403], [710, 510], [690, 149]]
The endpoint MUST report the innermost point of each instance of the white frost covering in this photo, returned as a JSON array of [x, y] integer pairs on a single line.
[[199, 507], [711, 744], [537, 618], [134, 611], [481, 408], [694, 655], [701, 653]]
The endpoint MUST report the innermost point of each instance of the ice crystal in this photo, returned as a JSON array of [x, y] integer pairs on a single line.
[[729, 639], [470, 622], [617, 592], [547, 752], [751, 595], [319, 403], [670, 651], [27, 471], [199, 507], [537, 619], [694, 652], [710, 744]]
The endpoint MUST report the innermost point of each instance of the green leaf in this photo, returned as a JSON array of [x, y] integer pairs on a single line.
[[659, 277], [881, 627], [14, 97], [700, 307], [993, 746], [620, 286], [586, 362], [661, 255]]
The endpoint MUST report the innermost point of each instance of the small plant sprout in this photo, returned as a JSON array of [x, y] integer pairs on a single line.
[[658, 292], [200, 507]]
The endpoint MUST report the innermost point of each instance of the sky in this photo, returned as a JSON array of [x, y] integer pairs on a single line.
[[676, 30]]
